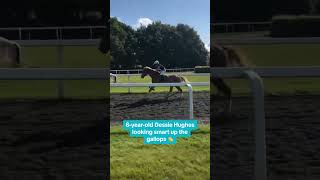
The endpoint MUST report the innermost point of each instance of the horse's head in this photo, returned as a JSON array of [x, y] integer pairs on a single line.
[[145, 71], [12, 59]]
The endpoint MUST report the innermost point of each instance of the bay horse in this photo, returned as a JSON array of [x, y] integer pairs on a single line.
[[114, 77], [225, 56], [9, 53], [156, 78]]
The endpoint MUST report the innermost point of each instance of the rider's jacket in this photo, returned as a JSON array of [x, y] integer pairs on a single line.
[[159, 67]]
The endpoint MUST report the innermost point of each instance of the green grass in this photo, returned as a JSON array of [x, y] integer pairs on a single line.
[[277, 86], [283, 55], [74, 57], [46, 57], [188, 159], [42, 89], [280, 55], [138, 79]]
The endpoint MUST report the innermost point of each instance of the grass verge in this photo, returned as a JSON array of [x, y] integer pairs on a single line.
[[188, 159]]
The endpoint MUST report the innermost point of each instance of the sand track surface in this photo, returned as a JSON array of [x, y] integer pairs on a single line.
[[292, 138], [53, 139], [156, 106]]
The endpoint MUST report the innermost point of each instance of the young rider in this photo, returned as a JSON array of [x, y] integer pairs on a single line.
[[159, 67]]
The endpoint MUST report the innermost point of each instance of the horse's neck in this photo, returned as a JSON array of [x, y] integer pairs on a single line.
[[153, 74]]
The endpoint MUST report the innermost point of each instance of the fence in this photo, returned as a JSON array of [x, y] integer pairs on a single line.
[[184, 74], [59, 44], [247, 40], [260, 169], [240, 27], [54, 33], [92, 32], [54, 74], [137, 71], [85, 74], [189, 85]]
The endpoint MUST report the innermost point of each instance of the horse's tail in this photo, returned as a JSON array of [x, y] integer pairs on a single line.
[[184, 79]]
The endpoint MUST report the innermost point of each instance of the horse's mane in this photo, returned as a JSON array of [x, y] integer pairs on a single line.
[[147, 67], [228, 56], [4, 40], [150, 69]]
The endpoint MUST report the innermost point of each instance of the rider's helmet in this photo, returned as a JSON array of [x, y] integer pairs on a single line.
[[156, 62]]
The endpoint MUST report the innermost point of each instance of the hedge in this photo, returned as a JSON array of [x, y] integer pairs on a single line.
[[202, 69], [295, 26]]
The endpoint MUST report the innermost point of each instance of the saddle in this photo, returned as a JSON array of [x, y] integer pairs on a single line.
[[163, 78]]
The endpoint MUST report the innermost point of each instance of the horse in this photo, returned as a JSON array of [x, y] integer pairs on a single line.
[[9, 53], [156, 78], [225, 56], [114, 77]]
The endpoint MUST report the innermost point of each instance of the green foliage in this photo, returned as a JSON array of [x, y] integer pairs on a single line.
[[174, 46], [202, 69], [122, 44], [295, 26]]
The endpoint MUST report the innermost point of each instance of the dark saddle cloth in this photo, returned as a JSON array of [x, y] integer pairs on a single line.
[[163, 78]]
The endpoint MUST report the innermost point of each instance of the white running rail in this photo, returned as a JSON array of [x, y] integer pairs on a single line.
[[189, 85]]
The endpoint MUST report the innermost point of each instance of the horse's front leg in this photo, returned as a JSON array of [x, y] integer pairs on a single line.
[[169, 94], [225, 89], [152, 88]]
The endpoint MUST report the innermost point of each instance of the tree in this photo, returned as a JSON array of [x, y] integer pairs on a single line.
[[173, 46], [122, 44], [314, 7]]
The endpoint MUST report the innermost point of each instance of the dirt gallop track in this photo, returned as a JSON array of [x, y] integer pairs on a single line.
[[156, 106], [292, 138], [53, 139]]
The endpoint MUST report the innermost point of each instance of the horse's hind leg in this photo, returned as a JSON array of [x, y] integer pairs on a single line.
[[179, 89], [223, 87], [171, 88], [151, 89]]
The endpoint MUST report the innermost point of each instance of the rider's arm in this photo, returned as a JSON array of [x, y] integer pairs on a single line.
[[155, 66], [162, 67]]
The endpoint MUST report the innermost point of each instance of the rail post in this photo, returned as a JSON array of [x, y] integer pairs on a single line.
[[91, 32], [128, 80], [60, 64], [20, 33], [191, 116], [260, 168], [57, 34], [60, 32]]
